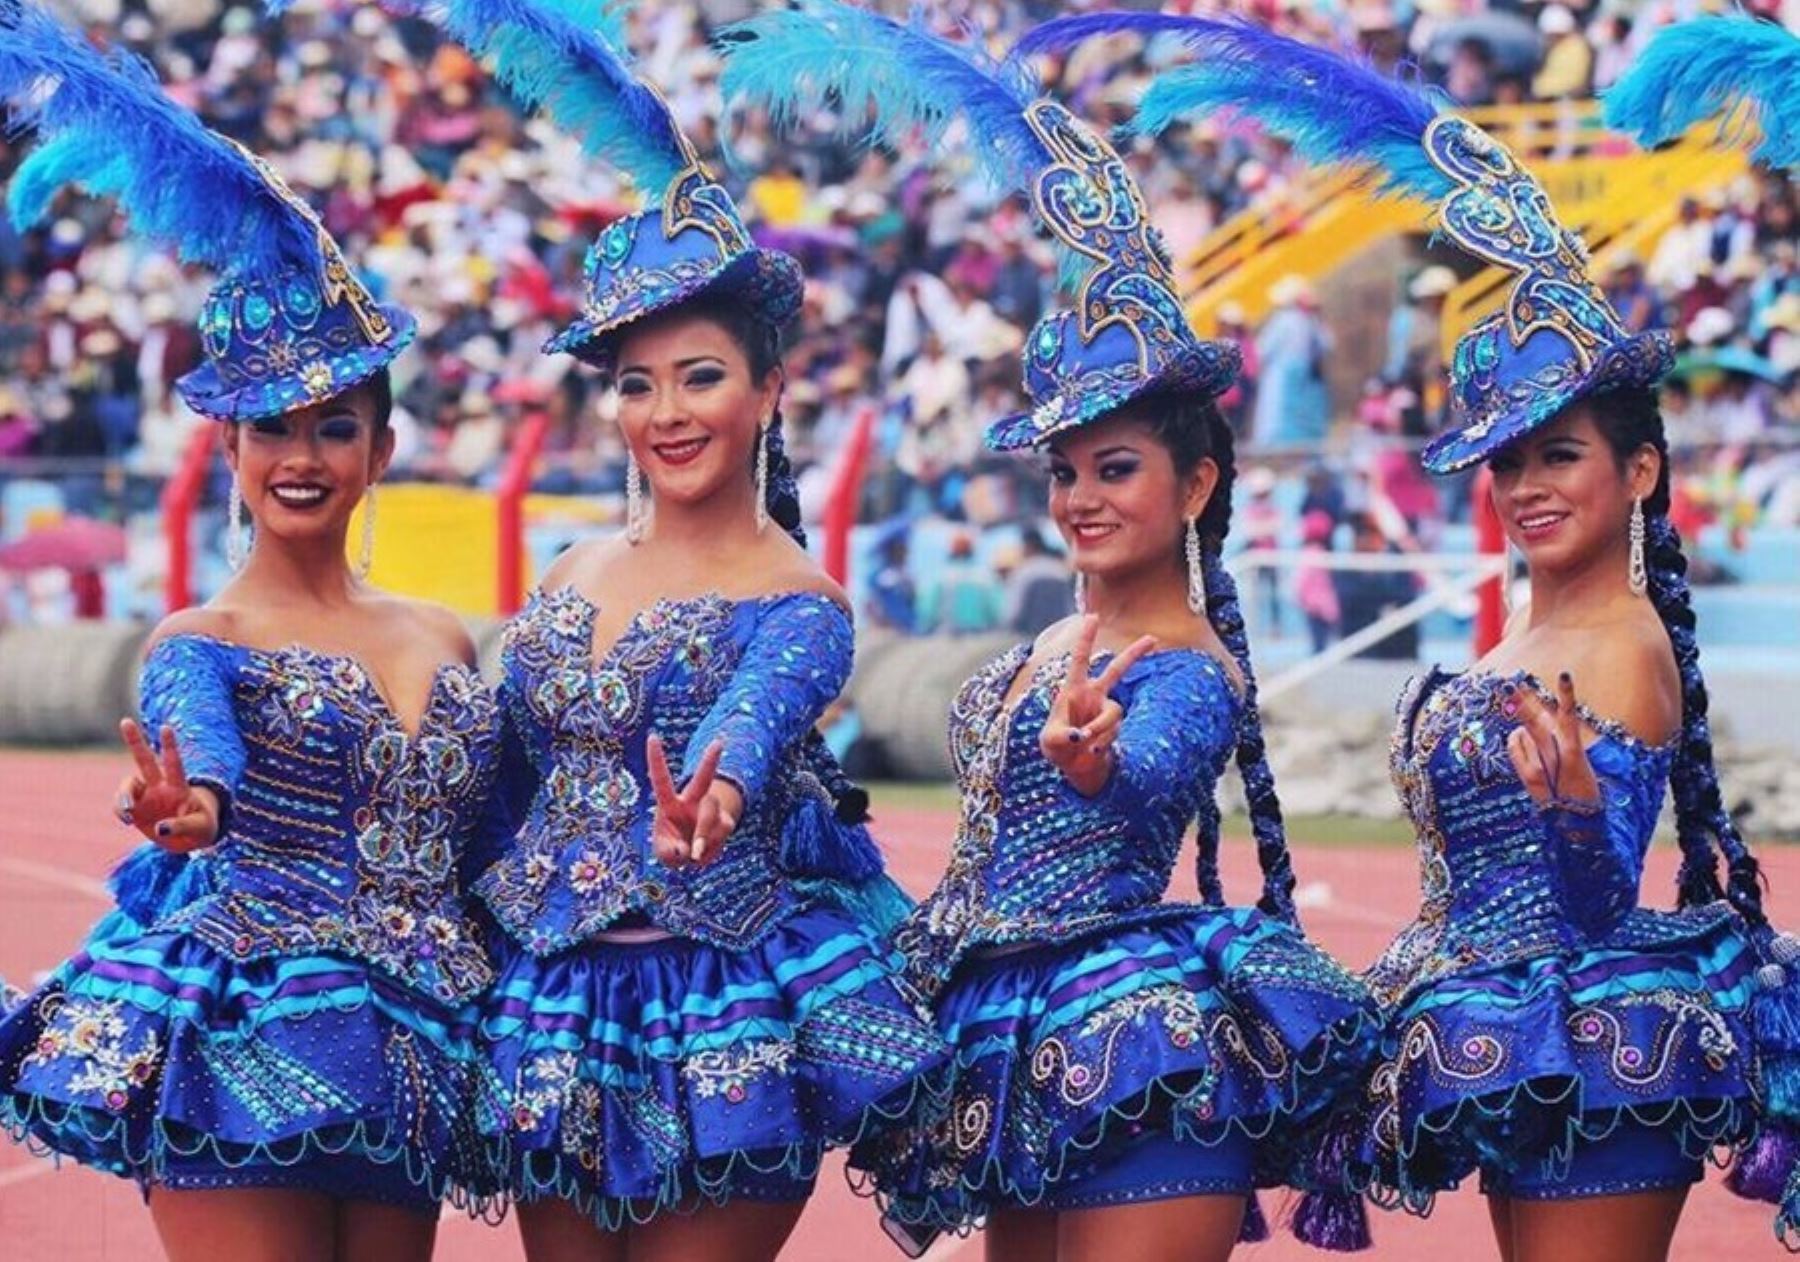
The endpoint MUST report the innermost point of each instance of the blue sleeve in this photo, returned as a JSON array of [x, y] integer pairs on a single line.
[[187, 684], [796, 663], [1178, 715], [1600, 847], [515, 784]]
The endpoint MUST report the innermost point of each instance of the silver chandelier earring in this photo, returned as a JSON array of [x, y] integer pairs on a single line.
[[1195, 568], [1639, 572], [634, 499], [365, 560], [235, 548], [762, 479], [1080, 592]]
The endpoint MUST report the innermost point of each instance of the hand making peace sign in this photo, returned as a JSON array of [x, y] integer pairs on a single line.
[[692, 823], [157, 799], [1084, 719], [1546, 748]]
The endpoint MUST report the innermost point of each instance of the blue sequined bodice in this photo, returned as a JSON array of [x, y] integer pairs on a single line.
[[1033, 859], [342, 832], [1502, 879], [753, 674]]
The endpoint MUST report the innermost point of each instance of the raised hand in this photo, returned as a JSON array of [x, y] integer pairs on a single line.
[[1084, 719], [1547, 751], [691, 823], [157, 800]]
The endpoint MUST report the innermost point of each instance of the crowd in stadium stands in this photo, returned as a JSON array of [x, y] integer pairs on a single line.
[[921, 282]]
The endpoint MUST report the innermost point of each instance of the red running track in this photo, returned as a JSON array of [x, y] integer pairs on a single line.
[[59, 841]]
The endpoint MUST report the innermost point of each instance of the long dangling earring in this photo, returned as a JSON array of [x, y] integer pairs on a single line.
[[235, 550], [1639, 572], [634, 499], [1196, 571], [365, 560], [762, 479], [1080, 592]]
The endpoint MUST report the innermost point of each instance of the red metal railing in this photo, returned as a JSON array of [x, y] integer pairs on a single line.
[[846, 495], [180, 497], [1490, 540], [509, 510]]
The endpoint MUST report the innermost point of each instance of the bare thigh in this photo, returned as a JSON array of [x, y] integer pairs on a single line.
[[1500, 1214], [1021, 1235], [741, 1231], [1635, 1227], [244, 1224], [553, 1230], [1182, 1229], [368, 1231]]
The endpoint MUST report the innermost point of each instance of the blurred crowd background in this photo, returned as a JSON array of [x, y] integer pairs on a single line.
[[920, 288]]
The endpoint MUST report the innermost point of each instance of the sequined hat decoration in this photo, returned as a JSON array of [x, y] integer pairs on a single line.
[[1125, 336], [1556, 340], [561, 57], [288, 323]]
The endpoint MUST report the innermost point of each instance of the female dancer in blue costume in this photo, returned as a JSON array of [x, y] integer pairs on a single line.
[[1128, 1070], [692, 1004], [273, 1035], [1580, 1052], [1691, 71]]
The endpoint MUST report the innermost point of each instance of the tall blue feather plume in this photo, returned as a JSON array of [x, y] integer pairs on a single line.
[[607, 20], [890, 76], [106, 125], [1333, 110], [560, 63], [1706, 67]]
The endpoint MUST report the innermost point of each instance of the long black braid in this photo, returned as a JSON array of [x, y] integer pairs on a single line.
[[1194, 431], [1630, 419]]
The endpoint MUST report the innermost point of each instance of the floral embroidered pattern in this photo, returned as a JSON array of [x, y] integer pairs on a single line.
[[95, 1037], [730, 1073], [407, 801]]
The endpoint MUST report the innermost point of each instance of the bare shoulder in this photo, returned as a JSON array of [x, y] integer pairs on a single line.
[[792, 569], [212, 623], [582, 564], [1629, 676], [437, 625]]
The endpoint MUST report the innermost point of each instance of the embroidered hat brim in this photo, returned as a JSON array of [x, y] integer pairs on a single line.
[[1207, 369], [767, 281], [1524, 404], [310, 379]]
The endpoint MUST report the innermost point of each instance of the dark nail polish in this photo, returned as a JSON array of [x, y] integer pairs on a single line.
[[162, 829], [1567, 678], [1075, 737]]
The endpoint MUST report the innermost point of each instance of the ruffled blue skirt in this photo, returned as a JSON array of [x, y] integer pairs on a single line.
[[644, 1077], [1510, 1070], [1209, 1025], [151, 1055]]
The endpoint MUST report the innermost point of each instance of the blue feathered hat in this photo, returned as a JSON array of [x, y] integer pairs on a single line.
[[1125, 336], [1555, 342], [287, 324], [558, 56], [1708, 66]]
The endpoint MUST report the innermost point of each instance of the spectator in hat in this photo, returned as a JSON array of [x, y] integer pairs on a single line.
[[1292, 406], [1416, 329], [1568, 69], [1631, 293], [1238, 401]]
